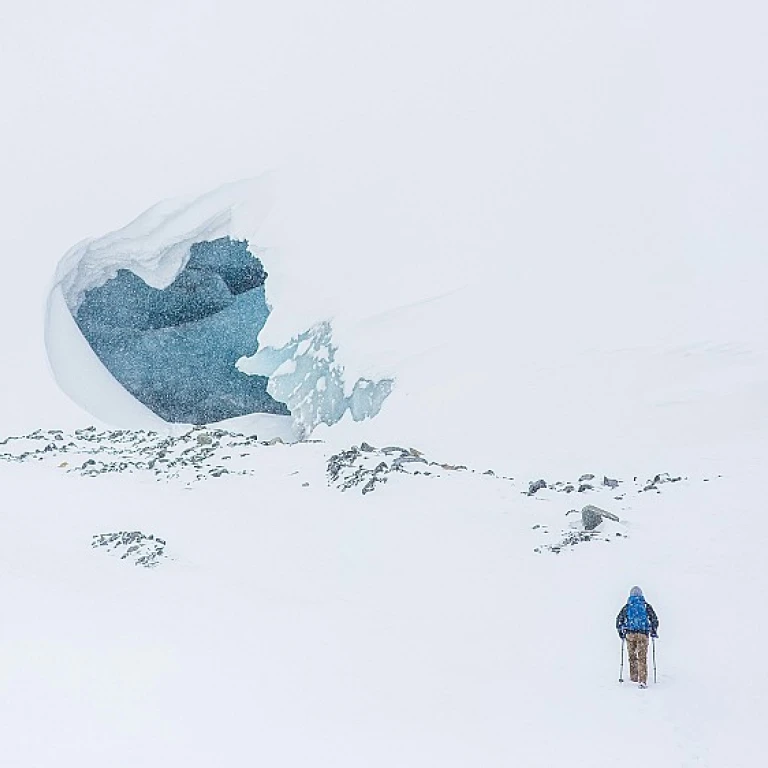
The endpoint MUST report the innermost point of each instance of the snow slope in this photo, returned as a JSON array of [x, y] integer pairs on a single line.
[[412, 626], [545, 221]]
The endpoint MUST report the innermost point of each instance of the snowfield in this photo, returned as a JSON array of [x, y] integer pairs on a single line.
[[540, 227], [293, 624]]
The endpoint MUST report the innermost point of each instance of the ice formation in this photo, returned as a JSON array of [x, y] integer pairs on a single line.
[[175, 349], [305, 375], [158, 323]]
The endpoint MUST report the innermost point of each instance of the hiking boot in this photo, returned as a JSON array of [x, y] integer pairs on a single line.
[[642, 685]]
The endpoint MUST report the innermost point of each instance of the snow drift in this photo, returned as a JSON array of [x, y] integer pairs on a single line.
[[170, 304]]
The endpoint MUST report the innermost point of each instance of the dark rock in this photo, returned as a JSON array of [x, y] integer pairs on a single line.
[[536, 485], [590, 513], [146, 551], [590, 518]]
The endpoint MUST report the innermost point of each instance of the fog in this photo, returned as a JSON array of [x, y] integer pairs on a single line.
[[582, 171]]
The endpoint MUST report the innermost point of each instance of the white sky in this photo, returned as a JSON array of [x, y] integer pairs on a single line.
[[516, 142]]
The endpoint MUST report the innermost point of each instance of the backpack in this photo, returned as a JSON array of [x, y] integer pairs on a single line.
[[637, 615]]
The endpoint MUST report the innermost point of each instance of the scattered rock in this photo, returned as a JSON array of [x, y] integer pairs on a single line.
[[609, 482], [91, 453], [368, 466], [536, 485], [660, 479], [146, 551]]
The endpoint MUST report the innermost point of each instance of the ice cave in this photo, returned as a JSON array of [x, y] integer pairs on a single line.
[[159, 322], [175, 349]]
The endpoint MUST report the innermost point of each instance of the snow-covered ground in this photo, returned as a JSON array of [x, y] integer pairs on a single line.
[[546, 223], [293, 624]]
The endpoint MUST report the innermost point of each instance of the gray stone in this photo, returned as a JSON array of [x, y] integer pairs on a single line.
[[591, 518], [536, 485]]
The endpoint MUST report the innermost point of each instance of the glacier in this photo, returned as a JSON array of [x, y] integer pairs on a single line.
[[175, 348], [170, 309]]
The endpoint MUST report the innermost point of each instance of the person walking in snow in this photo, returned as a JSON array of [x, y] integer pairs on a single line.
[[635, 622]]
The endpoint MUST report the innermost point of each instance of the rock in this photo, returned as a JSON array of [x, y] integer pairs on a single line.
[[407, 459], [585, 487], [592, 516], [536, 485], [146, 551], [204, 439], [367, 448], [609, 482], [586, 478]]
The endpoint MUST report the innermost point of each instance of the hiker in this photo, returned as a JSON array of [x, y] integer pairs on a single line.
[[635, 622]]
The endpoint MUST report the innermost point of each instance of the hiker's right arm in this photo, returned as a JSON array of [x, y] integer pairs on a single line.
[[621, 621]]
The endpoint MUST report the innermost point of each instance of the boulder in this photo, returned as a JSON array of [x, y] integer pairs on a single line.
[[592, 516], [536, 485]]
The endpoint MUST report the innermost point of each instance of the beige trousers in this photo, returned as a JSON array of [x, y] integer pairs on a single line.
[[637, 650]]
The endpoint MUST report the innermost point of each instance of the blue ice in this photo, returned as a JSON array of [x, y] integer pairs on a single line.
[[305, 374], [174, 349]]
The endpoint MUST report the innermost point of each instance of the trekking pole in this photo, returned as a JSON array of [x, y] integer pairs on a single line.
[[621, 670], [653, 641]]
